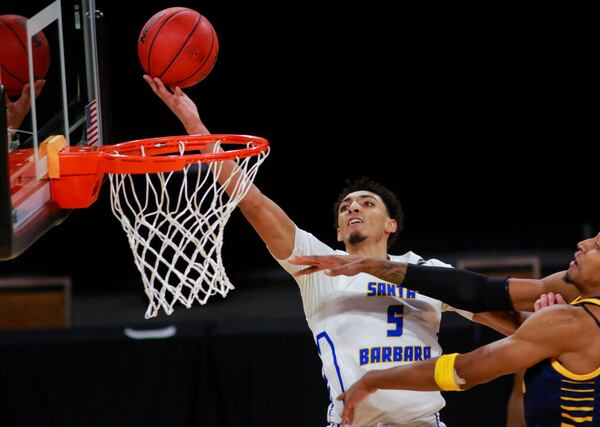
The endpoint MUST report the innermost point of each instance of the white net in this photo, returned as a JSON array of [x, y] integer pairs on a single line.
[[175, 222]]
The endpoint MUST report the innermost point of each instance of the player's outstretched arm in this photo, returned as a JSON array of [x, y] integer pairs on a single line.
[[461, 289], [545, 334], [17, 111], [271, 223]]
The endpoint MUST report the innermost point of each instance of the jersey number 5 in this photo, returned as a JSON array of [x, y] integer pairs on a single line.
[[395, 316]]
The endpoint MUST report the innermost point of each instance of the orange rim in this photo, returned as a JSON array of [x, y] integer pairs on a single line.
[[162, 154]]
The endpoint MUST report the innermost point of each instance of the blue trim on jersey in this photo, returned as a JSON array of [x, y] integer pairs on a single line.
[[337, 368]]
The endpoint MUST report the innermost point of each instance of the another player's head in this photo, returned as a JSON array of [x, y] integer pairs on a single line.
[[364, 210], [584, 270]]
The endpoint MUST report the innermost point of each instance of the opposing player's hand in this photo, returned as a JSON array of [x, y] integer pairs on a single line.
[[180, 104], [546, 300], [333, 265], [352, 397], [16, 111]]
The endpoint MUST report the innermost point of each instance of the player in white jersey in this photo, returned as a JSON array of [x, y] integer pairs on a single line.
[[358, 324], [361, 323]]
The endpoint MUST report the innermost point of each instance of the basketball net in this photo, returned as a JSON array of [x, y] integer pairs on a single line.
[[175, 223]]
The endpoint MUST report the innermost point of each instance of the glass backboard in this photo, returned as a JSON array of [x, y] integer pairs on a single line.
[[69, 104]]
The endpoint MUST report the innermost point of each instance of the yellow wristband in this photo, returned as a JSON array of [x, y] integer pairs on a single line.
[[444, 373]]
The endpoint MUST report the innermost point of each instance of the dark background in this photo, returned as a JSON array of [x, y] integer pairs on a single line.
[[483, 120]]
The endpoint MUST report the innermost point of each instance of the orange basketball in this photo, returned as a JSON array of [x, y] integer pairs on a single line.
[[14, 71], [179, 46]]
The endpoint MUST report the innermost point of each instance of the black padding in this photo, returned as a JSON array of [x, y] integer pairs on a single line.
[[462, 289]]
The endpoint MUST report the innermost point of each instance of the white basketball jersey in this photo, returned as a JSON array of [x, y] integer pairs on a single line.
[[361, 323]]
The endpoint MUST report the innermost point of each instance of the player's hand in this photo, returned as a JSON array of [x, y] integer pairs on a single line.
[[546, 300], [180, 104], [333, 265], [16, 111], [359, 391]]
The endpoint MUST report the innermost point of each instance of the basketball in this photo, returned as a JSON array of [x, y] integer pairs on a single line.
[[14, 71], [179, 46]]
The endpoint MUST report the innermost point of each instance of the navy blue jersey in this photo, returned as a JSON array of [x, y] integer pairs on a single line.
[[556, 397]]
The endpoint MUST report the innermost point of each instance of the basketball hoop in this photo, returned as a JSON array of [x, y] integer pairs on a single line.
[[173, 203]]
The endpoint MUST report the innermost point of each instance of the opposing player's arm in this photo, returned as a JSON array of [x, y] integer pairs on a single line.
[[505, 322], [545, 334], [271, 223], [525, 292]]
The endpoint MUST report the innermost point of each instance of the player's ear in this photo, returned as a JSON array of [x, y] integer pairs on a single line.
[[339, 235], [391, 226]]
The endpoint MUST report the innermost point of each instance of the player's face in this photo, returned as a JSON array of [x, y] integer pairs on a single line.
[[584, 270], [362, 215]]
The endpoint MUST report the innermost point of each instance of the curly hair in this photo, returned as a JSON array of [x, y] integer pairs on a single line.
[[390, 201]]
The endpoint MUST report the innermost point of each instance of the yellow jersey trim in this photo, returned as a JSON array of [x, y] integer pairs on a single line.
[[565, 372], [577, 399], [576, 408], [577, 419], [594, 301], [578, 382]]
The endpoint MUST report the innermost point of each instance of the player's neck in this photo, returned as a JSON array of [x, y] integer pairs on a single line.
[[366, 249], [591, 292]]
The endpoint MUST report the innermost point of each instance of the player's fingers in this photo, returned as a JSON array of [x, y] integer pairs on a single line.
[[551, 298], [329, 259], [305, 260], [345, 417], [24, 94], [560, 299], [350, 415], [537, 304], [311, 261], [160, 85], [294, 261], [159, 88], [151, 83], [544, 300], [349, 269], [339, 271], [307, 270], [37, 87]]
